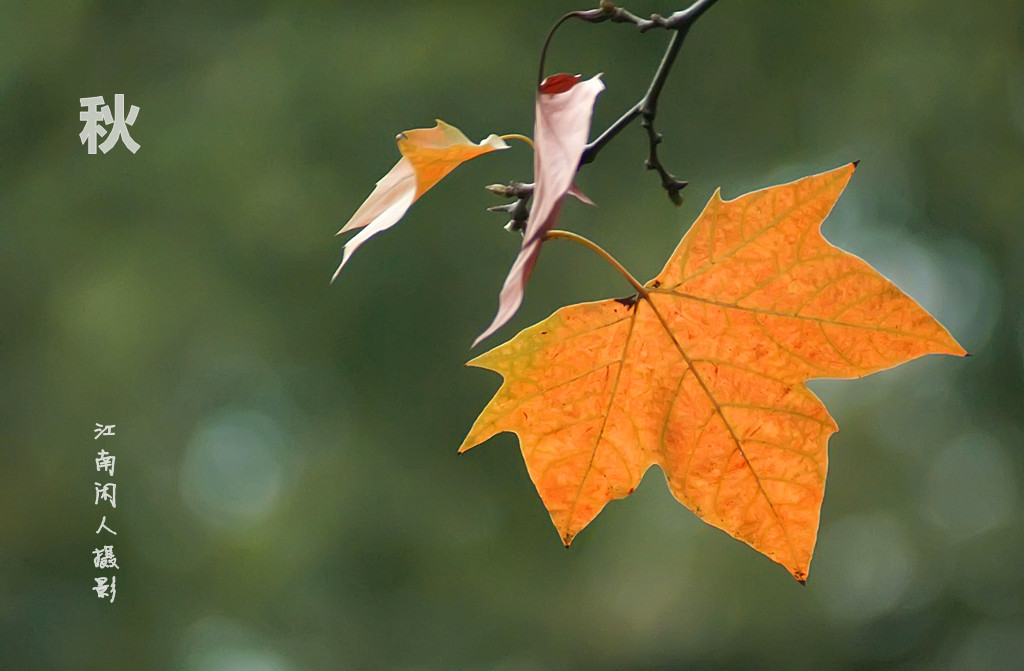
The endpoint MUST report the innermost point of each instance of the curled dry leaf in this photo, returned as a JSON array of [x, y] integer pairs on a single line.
[[563, 110], [428, 155], [703, 373]]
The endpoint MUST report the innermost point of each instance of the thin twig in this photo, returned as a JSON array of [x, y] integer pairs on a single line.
[[649, 109], [607, 11], [512, 190], [519, 210]]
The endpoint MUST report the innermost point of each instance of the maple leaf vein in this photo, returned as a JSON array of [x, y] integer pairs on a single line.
[[604, 422]]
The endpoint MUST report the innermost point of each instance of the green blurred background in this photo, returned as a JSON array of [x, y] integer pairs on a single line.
[[289, 497]]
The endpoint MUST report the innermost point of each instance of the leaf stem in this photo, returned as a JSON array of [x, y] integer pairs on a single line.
[[547, 40], [517, 136], [600, 251]]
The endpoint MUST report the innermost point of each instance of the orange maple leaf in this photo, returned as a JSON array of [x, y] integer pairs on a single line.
[[703, 373]]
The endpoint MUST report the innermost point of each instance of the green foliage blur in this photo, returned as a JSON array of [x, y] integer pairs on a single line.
[[288, 493]]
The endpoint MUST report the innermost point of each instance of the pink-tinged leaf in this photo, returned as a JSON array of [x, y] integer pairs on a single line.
[[428, 155], [393, 195], [564, 109], [578, 194]]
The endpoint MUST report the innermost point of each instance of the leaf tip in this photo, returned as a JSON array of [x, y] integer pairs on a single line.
[[479, 361], [468, 444], [956, 349], [338, 271]]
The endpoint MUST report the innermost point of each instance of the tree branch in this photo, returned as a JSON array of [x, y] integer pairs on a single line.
[[646, 108]]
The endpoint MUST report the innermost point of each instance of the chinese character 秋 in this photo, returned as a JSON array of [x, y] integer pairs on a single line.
[[104, 557], [103, 525], [103, 430], [94, 114], [107, 492], [102, 587], [105, 462]]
